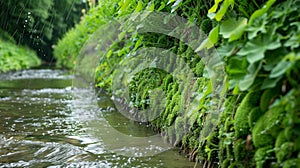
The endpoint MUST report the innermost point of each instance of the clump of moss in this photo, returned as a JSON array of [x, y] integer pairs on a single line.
[[239, 149], [241, 125], [283, 151], [267, 127], [292, 163], [267, 97], [199, 68], [254, 115], [225, 163], [262, 155]]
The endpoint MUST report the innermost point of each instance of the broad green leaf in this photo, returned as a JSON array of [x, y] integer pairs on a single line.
[[223, 10], [280, 68], [214, 35], [256, 27], [214, 8], [254, 50], [227, 49], [246, 82], [233, 29], [293, 41], [211, 40], [237, 67], [270, 83], [261, 11], [205, 44]]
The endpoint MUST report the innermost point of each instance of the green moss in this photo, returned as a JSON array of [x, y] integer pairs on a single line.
[[199, 68], [266, 98], [292, 163], [239, 150], [262, 155], [283, 151], [255, 114], [167, 81], [267, 127], [281, 138], [225, 163], [241, 125], [171, 118], [229, 151], [288, 132]]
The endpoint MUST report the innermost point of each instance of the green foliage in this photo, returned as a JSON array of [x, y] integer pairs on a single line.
[[258, 124], [68, 48], [262, 155], [254, 115], [266, 128], [14, 57], [39, 24], [241, 125], [291, 163], [239, 150]]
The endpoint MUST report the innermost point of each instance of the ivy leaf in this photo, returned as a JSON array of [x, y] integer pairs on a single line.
[[211, 40], [254, 50], [223, 9], [261, 11], [282, 66], [293, 41], [214, 35], [246, 82], [233, 29], [249, 79], [214, 8], [269, 83], [257, 26], [237, 67], [228, 49], [280, 69]]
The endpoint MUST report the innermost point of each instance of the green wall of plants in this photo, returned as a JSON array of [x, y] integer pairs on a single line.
[[259, 43], [15, 57]]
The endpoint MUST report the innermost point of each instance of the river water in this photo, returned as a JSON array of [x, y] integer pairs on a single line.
[[45, 122]]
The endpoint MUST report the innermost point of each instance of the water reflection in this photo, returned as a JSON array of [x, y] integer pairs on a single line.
[[43, 124]]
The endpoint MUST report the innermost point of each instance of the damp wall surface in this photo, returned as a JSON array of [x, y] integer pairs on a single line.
[[253, 121]]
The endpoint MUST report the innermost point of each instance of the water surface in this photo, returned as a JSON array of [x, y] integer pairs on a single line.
[[44, 122]]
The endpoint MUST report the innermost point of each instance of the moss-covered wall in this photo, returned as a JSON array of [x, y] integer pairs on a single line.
[[258, 122]]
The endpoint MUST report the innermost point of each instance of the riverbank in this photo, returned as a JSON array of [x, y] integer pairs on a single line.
[[15, 57], [254, 120]]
